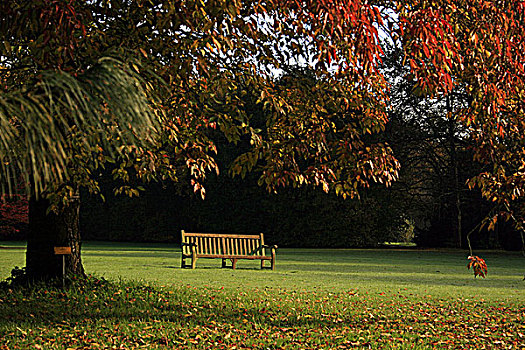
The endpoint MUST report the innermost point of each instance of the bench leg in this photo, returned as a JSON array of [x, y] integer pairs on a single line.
[[234, 263], [183, 263], [273, 259], [223, 263], [193, 257], [262, 264]]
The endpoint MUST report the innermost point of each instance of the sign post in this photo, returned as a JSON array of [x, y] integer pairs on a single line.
[[63, 251]]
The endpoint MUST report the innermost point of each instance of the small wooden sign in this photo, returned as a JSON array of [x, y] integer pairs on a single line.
[[62, 250]]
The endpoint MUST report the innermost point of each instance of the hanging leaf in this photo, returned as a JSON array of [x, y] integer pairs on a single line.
[[478, 265]]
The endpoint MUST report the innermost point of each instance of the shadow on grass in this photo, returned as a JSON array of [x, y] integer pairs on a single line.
[[128, 315], [95, 302], [43, 307], [116, 254], [198, 268]]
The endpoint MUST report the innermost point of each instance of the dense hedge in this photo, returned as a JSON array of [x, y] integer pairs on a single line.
[[292, 218], [303, 217]]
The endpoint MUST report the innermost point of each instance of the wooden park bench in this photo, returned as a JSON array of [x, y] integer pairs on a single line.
[[225, 247]]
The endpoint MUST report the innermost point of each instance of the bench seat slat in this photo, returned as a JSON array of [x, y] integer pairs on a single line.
[[226, 256], [232, 247], [249, 257], [221, 235]]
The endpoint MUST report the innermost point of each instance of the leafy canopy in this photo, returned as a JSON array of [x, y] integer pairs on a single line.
[[211, 56], [61, 100]]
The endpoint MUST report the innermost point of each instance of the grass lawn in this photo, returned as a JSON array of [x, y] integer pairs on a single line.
[[316, 299]]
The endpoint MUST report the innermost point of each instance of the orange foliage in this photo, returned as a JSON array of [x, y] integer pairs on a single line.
[[478, 265]]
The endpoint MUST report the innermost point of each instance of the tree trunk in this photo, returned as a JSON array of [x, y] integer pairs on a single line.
[[49, 230], [454, 163]]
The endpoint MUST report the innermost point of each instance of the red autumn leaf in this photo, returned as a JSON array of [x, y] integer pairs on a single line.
[[478, 265]]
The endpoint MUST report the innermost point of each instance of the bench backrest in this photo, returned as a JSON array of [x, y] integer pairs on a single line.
[[214, 244]]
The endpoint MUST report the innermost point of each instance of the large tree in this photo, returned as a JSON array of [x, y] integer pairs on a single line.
[[67, 110], [478, 46]]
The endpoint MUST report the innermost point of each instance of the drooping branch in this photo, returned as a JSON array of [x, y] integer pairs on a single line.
[[109, 103]]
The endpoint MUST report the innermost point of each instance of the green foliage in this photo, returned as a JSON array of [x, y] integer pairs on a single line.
[[56, 122]]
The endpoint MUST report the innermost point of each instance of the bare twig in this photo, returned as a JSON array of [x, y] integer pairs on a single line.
[[468, 237], [477, 227]]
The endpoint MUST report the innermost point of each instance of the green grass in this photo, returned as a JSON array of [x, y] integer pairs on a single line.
[[343, 298]]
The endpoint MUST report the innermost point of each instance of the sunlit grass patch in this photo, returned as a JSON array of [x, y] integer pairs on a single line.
[[316, 299]]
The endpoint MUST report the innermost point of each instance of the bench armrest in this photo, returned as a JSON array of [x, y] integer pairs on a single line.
[[269, 246], [189, 244]]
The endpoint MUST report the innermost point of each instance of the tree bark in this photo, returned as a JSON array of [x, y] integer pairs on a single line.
[[454, 163], [49, 230]]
